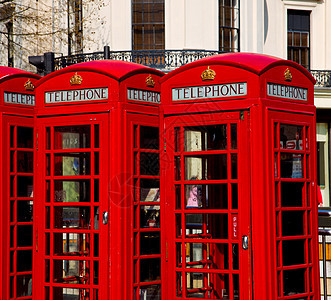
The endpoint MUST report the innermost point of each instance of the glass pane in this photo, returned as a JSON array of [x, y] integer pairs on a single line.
[[149, 137], [149, 190], [24, 235], [150, 292], [292, 223], [204, 138], [211, 196], [24, 285], [24, 211], [96, 273], [207, 256], [291, 137], [149, 164], [72, 164], [96, 136], [72, 137], [233, 136], [206, 226], [206, 167], [291, 193], [294, 282], [24, 137], [24, 260], [60, 293], [24, 186], [291, 165], [71, 244], [71, 272], [150, 269], [150, 243], [150, 216], [72, 217], [293, 252], [72, 191], [24, 162]]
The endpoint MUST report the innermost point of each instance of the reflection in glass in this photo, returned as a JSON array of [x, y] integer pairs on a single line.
[[71, 271], [24, 285], [150, 292], [208, 196], [211, 226], [205, 138], [291, 137], [206, 167], [24, 211], [71, 244], [60, 293], [150, 216], [72, 164], [291, 165], [72, 217], [149, 190], [72, 191], [72, 137]]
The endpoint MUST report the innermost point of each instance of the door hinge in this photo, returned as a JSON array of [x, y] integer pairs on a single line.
[[37, 240], [242, 115], [37, 141], [165, 146]]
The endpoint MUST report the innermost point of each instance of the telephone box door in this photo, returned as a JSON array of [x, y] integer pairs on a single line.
[[72, 236], [207, 243]]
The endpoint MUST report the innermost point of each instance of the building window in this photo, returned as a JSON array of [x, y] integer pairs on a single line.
[[10, 45], [229, 25], [75, 26], [148, 24], [298, 37]]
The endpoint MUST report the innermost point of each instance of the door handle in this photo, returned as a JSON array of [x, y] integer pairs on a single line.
[[245, 242], [105, 218]]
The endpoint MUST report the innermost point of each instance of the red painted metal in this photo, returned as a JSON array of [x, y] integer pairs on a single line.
[[267, 92], [116, 98], [16, 152]]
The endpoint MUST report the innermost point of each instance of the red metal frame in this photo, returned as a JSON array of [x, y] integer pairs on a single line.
[[275, 87], [215, 262], [16, 164]]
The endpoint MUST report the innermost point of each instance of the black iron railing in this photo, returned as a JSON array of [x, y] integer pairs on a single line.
[[165, 60], [322, 77]]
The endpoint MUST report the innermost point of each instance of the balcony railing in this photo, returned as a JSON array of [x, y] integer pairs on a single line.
[[322, 77], [165, 60]]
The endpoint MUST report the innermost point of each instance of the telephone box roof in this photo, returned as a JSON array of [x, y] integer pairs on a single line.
[[8, 73], [255, 63], [117, 69]]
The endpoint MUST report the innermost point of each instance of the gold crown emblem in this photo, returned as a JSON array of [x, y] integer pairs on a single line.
[[76, 79], [149, 81], [29, 85], [288, 75], [208, 74]]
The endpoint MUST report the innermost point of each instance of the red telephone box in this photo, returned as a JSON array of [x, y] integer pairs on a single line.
[[17, 102], [239, 180], [98, 182]]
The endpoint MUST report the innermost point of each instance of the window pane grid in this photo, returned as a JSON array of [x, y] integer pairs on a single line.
[[20, 202], [229, 25], [292, 187], [146, 213]]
